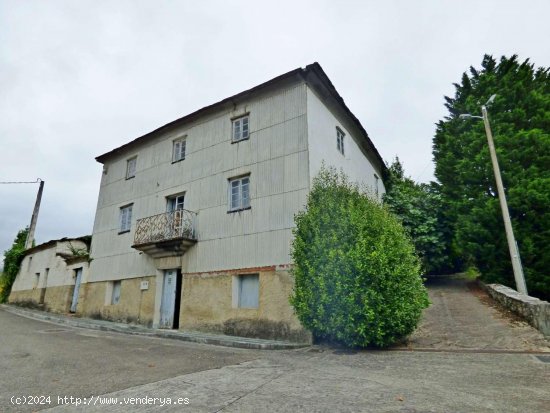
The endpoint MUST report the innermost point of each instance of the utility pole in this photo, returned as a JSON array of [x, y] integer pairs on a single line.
[[512, 244], [30, 235]]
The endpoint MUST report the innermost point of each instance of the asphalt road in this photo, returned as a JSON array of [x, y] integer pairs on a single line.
[[39, 358], [468, 357]]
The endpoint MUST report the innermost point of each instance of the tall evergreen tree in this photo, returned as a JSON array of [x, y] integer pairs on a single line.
[[520, 120]]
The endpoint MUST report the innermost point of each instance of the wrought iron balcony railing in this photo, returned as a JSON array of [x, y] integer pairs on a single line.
[[179, 224]]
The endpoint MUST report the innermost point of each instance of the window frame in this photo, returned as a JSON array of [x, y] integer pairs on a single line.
[[230, 187], [126, 225], [183, 143], [128, 171], [237, 295], [340, 135], [376, 186], [173, 200], [116, 288], [239, 121]]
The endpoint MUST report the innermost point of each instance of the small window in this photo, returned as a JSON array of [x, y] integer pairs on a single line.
[[131, 167], [115, 297], [376, 184], [240, 129], [239, 193], [36, 280], [178, 150], [248, 291], [175, 203], [125, 218], [340, 140]]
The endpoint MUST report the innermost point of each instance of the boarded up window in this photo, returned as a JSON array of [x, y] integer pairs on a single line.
[[115, 298], [249, 291]]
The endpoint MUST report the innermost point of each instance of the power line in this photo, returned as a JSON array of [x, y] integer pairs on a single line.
[[38, 180]]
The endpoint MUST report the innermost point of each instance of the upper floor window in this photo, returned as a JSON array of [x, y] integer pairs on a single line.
[[175, 203], [240, 129], [239, 193], [125, 218], [376, 184], [178, 150], [131, 167], [340, 140]]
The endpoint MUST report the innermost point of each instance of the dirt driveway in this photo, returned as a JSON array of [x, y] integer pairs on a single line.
[[464, 317]]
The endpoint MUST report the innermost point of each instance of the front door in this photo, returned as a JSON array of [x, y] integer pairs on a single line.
[[76, 289], [169, 305]]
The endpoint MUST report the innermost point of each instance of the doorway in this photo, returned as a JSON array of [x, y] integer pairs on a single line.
[[78, 279], [170, 299]]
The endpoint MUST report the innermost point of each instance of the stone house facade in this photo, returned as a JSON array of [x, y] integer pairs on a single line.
[[194, 220]]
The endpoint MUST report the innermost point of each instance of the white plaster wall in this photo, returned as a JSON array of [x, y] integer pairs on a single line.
[[322, 123], [276, 158], [59, 273]]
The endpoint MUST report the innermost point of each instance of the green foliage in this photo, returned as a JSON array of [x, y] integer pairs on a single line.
[[12, 262], [356, 274], [520, 120], [419, 207]]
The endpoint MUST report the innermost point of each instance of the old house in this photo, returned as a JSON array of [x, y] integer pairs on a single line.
[[194, 219], [50, 275]]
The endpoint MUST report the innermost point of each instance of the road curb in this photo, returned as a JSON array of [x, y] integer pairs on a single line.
[[194, 337]]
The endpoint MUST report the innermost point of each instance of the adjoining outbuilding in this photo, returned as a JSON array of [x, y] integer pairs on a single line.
[[51, 273]]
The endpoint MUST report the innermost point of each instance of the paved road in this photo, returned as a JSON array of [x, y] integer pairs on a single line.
[[462, 316], [42, 358]]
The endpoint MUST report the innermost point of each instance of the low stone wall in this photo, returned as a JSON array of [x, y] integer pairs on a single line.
[[536, 312]]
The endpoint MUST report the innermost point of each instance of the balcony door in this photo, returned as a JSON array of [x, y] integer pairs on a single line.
[[174, 207]]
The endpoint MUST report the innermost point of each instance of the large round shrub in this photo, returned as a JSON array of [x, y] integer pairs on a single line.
[[357, 277]]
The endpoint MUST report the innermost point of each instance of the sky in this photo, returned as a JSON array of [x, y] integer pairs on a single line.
[[79, 78]]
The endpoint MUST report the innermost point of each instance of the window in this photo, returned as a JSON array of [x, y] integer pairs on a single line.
[[178, 150], [340, 140], [240, 129], [246, 291], [115, 297], [131, 167], [239, 193], [125, 218], [36, 280], [175, 203], [376, 183]]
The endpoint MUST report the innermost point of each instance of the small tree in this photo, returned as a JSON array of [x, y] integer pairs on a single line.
[[356, 274], [12, 262], [420, 209]]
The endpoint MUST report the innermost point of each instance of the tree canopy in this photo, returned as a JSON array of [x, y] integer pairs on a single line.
[[520, 121], [419, 207], [12, 262]]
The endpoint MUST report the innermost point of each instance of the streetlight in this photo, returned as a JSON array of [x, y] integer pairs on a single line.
[[512, 245]]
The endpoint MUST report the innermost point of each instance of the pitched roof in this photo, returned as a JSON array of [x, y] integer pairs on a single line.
[[86, 239], [306, 73]]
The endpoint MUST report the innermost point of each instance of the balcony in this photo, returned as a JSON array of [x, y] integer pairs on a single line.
[[166, 235]]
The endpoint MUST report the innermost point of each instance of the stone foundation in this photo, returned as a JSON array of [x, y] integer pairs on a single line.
[[207, 305], [56, 299], [135, 306]]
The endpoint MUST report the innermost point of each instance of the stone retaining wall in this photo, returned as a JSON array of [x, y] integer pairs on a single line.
[[536, 312]]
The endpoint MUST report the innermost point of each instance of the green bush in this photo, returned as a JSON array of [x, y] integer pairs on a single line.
[[357, 277], [12, 262]]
